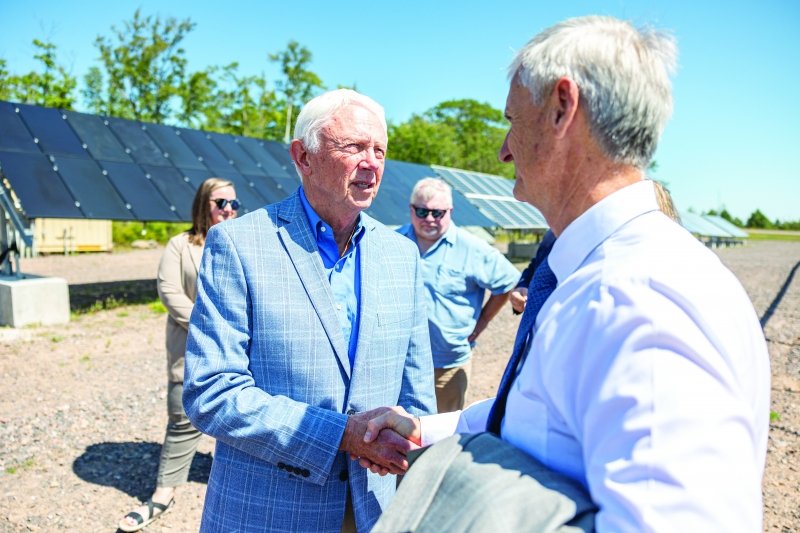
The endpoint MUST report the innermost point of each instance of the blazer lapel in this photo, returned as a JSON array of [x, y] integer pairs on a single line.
[[369, 251], [299, 241]]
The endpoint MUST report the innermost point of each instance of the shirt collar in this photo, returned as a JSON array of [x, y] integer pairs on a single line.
[[316, 223], [597, 223]]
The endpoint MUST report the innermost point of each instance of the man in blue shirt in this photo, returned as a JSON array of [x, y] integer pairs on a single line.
[[307, 320], [457, 269]]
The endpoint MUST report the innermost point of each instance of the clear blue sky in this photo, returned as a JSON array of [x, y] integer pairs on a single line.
[[732, 141]]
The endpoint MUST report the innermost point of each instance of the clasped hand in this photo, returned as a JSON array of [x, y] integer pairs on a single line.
[[380, 439]]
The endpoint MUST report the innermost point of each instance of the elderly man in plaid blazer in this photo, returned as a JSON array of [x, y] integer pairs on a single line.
[[309, 317]]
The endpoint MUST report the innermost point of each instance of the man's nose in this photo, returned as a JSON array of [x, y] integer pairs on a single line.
[[504, 155], [371, 160]]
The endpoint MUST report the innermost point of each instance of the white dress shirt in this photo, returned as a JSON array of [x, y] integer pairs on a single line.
[[647, 379]]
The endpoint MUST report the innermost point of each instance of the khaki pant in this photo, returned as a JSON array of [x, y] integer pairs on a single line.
[[451, 386], [180, 442]]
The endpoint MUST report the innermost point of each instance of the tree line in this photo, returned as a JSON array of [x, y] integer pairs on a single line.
[[142, 74]]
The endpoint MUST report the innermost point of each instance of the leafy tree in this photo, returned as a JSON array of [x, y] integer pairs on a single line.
[[144, 69], [459, 133], [300, 83], [53, 86], [5, 90], [730, 218], [759, 220], [230, 103]]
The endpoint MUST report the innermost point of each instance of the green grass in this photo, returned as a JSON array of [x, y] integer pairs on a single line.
[[27, 464], [774, 417], [773, 236], [157, 307]]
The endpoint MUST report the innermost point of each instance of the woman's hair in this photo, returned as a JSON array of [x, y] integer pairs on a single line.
[[665, 203], [201, 209]]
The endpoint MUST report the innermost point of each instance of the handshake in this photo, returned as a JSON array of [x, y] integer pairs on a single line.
[[381, 438]]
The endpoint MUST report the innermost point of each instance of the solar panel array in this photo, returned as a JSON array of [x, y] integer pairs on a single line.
[[726, 226], [65, 164], [494, 197]]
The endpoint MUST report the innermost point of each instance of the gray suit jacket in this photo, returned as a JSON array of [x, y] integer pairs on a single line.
[[268, 375]]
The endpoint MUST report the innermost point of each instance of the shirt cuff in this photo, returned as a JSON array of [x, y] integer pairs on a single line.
[[437, 427]]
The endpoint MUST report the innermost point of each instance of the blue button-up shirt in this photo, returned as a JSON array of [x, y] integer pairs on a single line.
[[457, 270], [343, 273]]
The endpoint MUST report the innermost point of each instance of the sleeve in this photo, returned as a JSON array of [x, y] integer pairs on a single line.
[[220, 396], [417, 395], [665, 430], [496, 273], [170, 283]]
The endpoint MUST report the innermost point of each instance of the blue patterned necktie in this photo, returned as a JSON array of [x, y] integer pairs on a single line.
[[542, 285]]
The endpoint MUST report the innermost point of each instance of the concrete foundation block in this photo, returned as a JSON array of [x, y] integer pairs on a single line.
[[33, 300]]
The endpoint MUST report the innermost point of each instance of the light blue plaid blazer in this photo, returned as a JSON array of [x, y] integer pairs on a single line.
[[267, 372]]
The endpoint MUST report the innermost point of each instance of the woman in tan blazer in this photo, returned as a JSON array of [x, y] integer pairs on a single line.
[[214, 202]]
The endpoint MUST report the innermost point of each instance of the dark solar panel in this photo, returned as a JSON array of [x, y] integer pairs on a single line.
[[280, 152], [205, 150], [95, 195], [138, 192], [38, 186], [51, 131], [257, 150], [229, 146], [269, 188], [178, 193], [95, 134], [173, 147], [137, 142], [14, 136]]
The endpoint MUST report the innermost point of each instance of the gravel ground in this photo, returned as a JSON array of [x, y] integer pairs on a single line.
[[82, 411]]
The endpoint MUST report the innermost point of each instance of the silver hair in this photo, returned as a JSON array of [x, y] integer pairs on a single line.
[[318, 111], [622, 73], [427, 188]]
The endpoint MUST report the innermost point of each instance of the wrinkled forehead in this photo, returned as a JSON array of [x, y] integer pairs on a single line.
[[355, 121]]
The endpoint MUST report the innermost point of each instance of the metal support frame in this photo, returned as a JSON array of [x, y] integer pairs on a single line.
[[19, 228]]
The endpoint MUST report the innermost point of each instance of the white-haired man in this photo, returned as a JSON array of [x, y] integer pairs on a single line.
[[293, 340], [644, 375], [457, 270]]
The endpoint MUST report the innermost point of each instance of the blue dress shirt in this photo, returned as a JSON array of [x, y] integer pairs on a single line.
[[457, 270], [343, 273]]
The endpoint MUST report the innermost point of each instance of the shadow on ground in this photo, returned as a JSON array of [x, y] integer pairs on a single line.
[[131, 466], [86, 296]]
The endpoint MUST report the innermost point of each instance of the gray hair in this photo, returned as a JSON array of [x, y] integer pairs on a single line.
[[319, 110], [427, 188], [622, 73]]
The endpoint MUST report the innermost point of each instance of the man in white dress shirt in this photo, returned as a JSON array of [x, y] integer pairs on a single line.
[[647, 378]]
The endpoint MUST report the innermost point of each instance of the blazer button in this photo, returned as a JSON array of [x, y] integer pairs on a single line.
[[343, 475], [351, 411]]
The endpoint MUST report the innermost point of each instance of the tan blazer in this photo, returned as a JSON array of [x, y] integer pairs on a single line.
[[177, 288]]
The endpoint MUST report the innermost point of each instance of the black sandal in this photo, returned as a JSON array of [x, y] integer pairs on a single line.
[[141, 522]]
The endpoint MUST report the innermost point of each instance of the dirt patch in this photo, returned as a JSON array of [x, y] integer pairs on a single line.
[[82, 413]]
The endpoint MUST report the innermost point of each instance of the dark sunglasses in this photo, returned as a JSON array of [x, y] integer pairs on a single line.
[[222, 202], [421, 212]]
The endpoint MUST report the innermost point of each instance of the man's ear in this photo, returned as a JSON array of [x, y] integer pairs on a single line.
[[300, 156], [565, 99]]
